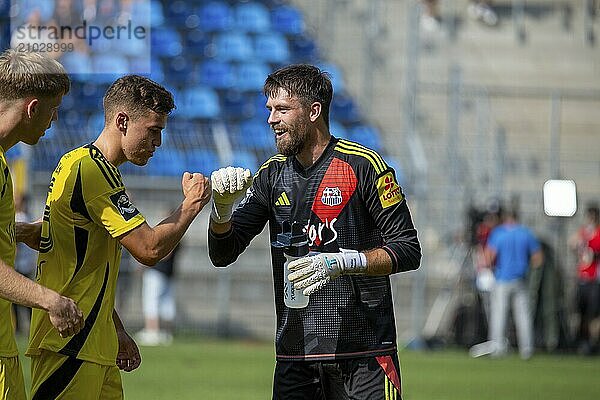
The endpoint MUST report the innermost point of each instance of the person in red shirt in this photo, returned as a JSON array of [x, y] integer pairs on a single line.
[[586, 244]]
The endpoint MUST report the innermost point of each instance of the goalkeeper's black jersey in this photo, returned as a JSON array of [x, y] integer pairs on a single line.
[[348, 199]]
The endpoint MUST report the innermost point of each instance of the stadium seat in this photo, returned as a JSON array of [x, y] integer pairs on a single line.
[[216, 74], [303, 49], [198, 102], [184, 134], [166, 42], [337, 78], [179, 70], [344, 109], [204, 161], [260, 109], [251, 76], [252, 17], [215, 16], [366, 135], [272, 48], [254, 135], [157, 17], [77, 62], [166, 161], [95, 123], [108, 67], [177, 12], [245, 159], [89, 95], [237, 106], [287, 19], [233, 46], [196, 42]]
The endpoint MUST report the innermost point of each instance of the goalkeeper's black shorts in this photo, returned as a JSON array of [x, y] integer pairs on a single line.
[[376, 378]]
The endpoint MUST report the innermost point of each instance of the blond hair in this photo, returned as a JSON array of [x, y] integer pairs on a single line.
[[25, 74]]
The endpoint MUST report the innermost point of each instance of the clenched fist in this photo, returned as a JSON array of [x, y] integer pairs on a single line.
[[196, 190]]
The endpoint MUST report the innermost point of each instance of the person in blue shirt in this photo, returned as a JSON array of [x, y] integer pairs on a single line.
[[511, 250]]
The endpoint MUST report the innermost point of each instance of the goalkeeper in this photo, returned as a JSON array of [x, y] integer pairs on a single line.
[[343, 344]]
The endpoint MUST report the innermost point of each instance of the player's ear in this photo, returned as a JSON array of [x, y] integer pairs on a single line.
[[121, 121], [31, 107], [315, 111]]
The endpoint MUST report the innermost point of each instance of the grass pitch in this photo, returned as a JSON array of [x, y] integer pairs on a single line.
[[199, 368]]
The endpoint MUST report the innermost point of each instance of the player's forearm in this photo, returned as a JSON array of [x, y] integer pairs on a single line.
[[117, 321], [165, 236], [18, 289], [29, 233]]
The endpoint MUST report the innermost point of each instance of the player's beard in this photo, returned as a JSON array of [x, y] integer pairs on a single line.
[[294, 141]]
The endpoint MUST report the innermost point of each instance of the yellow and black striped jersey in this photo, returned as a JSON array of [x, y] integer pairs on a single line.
[[87, 208], [8, 347]]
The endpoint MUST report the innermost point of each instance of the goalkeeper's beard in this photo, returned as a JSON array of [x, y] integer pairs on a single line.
[[293, 141]]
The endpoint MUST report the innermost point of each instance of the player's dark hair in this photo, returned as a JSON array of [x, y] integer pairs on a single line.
[[594, 212], [136, 95], [306, 82], [25, 74]]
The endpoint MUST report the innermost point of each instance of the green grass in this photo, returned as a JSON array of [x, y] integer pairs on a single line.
[[196, 368]]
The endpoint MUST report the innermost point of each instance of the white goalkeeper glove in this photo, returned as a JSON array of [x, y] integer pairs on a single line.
[[311, 273], [228, 184]]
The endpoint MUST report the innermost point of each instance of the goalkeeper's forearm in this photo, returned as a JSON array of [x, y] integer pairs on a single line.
[[219, 228]]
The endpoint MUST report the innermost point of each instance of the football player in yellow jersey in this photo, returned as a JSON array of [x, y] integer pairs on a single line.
[[87, 218], [31, 89]]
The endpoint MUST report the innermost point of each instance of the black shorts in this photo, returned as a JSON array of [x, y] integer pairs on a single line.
[[373, 378]]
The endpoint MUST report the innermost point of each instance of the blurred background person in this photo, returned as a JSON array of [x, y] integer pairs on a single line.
[[483, 11], [511, 249], [24, 263], [587, 295], [158, 301]]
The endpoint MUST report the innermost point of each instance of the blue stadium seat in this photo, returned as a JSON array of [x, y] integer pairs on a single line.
[[303, 49], [157, 16], [260, 109], [178, 71], [215, 16], [252, 17], [366, 135], [108, 67], [338, 130], [337, 77], [95, 123], [77, 62], [255, 135], [233, 46], [271, 47], [184, 134], [344, 109], [287, 19], [245, 159], [166, 42], [177, 12], [196, 42], [251, 76], [88, 94], [237, 105], [217, 74], [198, 102], [204, 161], [166, 161]]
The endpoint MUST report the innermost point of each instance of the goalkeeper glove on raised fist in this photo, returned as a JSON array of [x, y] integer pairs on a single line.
[[229, 185], [311, 273]]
